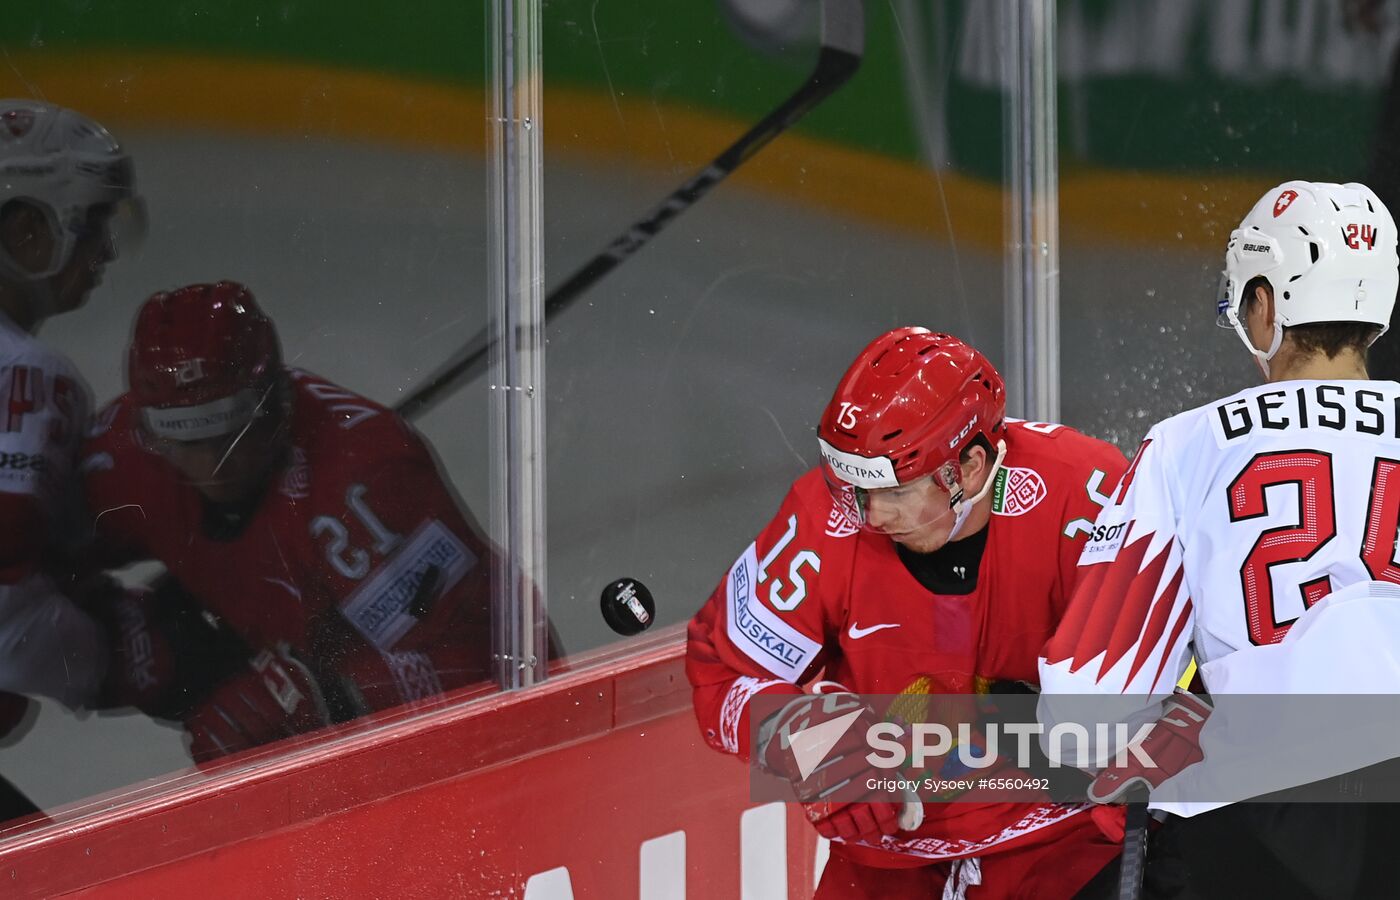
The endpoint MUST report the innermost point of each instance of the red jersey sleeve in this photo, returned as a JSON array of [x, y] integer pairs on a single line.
[[1130, 621], [1098, 466], [765, 627]]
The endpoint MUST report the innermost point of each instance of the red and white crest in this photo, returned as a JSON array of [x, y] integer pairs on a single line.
[[844, 520], [1284, 200], [17, 122], [188, 371], [296, 483], [1017, 491]]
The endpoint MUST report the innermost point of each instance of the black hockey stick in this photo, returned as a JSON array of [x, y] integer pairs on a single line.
[[842, 46], [1134, 860]]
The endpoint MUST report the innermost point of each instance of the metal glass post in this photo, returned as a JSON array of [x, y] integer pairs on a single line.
[[1033, 231], [516, 372]]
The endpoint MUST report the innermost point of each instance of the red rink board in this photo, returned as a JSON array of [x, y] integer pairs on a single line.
[[467, 802]]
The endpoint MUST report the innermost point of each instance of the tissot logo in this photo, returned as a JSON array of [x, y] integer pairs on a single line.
[[1107, 532], [23, 462]]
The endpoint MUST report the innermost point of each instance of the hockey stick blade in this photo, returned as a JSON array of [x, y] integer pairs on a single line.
[[842, 46]]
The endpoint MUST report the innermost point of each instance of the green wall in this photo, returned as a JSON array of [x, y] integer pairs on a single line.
[[1174, 86]]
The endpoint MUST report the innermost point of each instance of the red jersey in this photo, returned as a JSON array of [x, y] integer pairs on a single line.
[[815, 593], [356, 545]]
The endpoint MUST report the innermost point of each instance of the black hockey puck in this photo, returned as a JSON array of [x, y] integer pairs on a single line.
[[627, 606]]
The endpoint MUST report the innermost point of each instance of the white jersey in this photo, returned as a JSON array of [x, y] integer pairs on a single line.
[[1233, 520], [47, 645]]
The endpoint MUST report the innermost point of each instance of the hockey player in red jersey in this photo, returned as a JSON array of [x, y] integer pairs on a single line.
[[934, 546], [312, 522]]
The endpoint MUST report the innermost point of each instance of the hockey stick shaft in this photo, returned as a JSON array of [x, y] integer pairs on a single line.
[[1134, 861], [843, 41]]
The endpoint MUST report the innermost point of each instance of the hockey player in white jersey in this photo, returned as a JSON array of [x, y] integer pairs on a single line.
[[63, 178], [1252, 516]]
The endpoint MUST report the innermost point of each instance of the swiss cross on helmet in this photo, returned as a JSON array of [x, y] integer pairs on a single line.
[[905, 410], [1328, 252], [64, 164], [204, 362]]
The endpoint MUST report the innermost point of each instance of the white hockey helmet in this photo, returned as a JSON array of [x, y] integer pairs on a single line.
[[1328, 251], [64, 164]]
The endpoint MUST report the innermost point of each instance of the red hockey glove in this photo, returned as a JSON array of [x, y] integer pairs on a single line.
[[275, 697], [141, 660], [1173, 744], [164, 654], [843, 768]]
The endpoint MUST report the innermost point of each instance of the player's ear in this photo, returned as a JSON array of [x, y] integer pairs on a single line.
[[24, 234], [1264, 297], [974, 464]]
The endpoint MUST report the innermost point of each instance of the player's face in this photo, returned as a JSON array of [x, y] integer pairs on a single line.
[[231, 468], [918, 515], [91, 253]]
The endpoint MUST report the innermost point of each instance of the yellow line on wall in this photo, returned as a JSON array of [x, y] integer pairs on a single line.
[[129, 90]]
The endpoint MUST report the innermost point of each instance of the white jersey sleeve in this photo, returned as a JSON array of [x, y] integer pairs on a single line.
[[1129, 623], [44, 409], [1236, 519], [48, 646]]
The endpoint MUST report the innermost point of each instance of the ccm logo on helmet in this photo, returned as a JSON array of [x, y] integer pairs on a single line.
[[1283, 202], [953, 444]]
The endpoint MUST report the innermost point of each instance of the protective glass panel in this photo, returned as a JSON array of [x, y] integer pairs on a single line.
[[1174, 119], [686, 383], [323, 559]]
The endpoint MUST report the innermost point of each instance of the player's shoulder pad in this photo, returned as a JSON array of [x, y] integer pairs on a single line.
[[1059, 447], [1048, 466], [327, 414], [341, 437], [110, 428], [19, 349]]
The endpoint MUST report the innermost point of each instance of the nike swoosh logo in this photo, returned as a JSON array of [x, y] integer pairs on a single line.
[[857, 632]]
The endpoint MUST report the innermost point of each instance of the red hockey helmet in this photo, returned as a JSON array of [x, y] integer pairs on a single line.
[[906, 409], [203, 362]]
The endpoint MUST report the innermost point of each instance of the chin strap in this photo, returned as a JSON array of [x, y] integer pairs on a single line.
[[1261, 357], [962, 507]]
